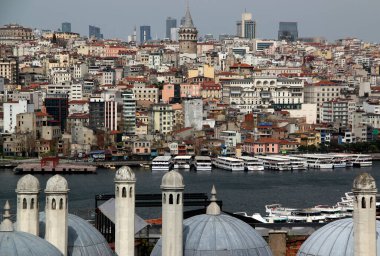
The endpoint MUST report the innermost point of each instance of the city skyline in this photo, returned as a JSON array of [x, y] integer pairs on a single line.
[[354, 19]]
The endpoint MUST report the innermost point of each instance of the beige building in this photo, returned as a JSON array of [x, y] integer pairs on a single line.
[[9, 69], [144, 92], [13, 34], [162, 118]]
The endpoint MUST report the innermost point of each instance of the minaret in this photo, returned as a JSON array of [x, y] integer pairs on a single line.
[[188, 35], [28, 189], [56, 230], [172, 214], [364, 189], [125, 212]]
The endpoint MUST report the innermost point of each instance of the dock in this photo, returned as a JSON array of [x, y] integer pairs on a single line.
[[59, 168]]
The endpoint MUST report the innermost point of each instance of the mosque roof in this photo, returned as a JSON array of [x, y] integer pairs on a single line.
[[83, 238], [333, 239], [221, 234], [15, 243]]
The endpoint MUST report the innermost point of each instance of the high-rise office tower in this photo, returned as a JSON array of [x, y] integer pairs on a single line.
[[145, 33], [246, 27], [66, 27], [288, 31], [170, 23], [94, 31]]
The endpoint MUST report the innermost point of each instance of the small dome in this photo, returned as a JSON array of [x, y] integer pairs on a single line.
[[57, 183], [28, 183], [364, 181], [172, 179], [334, 239], [18, 243], [125, 173], [83, 238], [219, 235]]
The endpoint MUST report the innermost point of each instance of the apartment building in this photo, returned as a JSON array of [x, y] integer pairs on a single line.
[[146, 92], [162, 118]]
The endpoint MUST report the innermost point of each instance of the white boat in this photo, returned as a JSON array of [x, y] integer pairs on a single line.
[[162, 163], [346, 158], [296, 163], [252, 163], [317, 161], [331, 212], [275, 163], [203, 163], [276, 211], [229, 163], [360, 160], [182, 162], [255, 216]]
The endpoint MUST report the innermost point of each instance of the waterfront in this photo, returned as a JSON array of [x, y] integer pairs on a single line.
[[248, 192]]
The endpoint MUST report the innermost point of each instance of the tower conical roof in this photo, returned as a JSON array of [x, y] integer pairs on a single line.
[[188, 20]]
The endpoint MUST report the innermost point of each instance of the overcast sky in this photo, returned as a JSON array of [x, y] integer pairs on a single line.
[[332, 19]]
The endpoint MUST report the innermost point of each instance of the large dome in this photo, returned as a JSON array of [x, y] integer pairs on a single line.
[[219, 235], [334, 239], [15, 243], [83, 239], [28, 184]]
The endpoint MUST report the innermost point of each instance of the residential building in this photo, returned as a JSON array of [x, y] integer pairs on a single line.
[[13, 34], [162, 118], [57, 105], [129, 111], [231, 138], [11, 110], [193, 112], [9, 69], [145, 92]]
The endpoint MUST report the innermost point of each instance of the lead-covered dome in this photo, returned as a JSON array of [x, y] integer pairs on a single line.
[[172, 180], [28, 184], [125, 173], [334, 239], [219, 235], [57, 183], [364, 182], [83, 238], [16, 243]]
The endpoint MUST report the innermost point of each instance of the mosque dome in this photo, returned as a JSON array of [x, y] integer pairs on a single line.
[[125, 173], [364, 181], [28, 184], [172, 180], [16, 243], [219, 235], [83, 238], [334, 239], [57, 183]]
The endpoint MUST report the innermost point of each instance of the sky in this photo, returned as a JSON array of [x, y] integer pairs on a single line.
[[332, 19]]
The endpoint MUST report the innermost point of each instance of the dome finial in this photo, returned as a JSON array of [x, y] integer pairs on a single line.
[[213, 208], [6, 225]]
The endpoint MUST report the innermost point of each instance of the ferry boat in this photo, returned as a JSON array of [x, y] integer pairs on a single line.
[[276, 211], [275, 163], [229, 163], [360, 160], [296, 163], [162, 163], [182, 162], [346, 158], [252, 163], [318, 161], [203, 163]]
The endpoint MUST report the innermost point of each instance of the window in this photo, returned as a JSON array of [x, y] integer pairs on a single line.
[[32, 203], [24, 204], [171, 199], [363, 203], [124, 192], [61, 204]]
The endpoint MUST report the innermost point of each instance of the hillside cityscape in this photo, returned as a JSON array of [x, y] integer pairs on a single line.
[[187, 103]]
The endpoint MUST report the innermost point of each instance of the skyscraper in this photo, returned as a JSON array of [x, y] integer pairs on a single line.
[[288, 31], [94, 31], [145, 33], [246, 27], [66, 27], [170, 23]]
